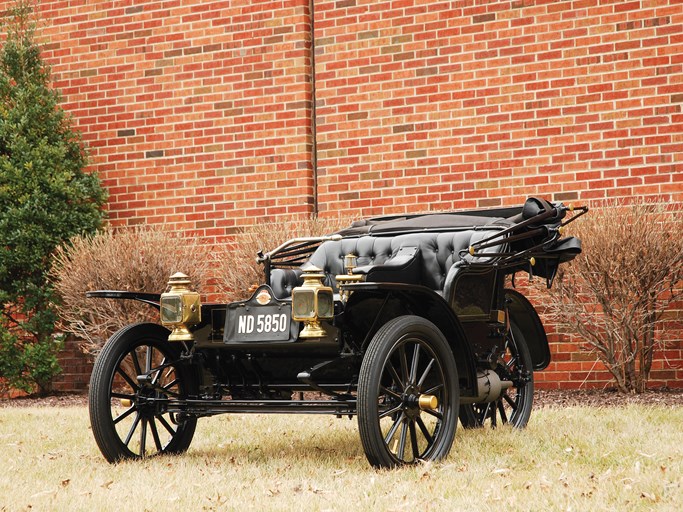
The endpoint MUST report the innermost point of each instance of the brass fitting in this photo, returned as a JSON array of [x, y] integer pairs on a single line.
[[428, 402], [312, 302], [350, 261], [180, 308]]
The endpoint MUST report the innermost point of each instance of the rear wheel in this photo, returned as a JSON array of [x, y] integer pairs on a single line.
[[408, 394], [134, 376], [515, 403]]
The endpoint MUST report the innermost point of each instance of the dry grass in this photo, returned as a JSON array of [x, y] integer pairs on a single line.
[[576, 458]]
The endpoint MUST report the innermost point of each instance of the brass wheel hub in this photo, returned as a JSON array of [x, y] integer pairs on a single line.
[[428, 402], [415, 402]]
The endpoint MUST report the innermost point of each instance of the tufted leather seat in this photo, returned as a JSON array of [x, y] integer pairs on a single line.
[[417, 258]]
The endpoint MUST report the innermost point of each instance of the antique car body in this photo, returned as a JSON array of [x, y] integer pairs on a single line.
[[405, 322]]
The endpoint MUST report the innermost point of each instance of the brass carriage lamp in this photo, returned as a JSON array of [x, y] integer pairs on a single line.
[[350, 262], [180, 308], [312, 302]]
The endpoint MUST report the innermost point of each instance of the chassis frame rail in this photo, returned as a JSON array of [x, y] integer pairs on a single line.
[[201, 407]]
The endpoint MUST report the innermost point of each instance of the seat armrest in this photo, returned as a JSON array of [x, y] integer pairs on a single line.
[[401, 268], [283, 280]]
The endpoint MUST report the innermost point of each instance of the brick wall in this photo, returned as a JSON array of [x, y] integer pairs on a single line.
[[76, 369], [197, 113], [200, 115], [474, 104]]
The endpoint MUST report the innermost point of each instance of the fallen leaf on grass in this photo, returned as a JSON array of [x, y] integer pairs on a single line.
[[545, 483], [315, 490], [649, 496]]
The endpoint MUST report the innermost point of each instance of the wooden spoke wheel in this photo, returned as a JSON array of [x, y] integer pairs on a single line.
[[134, 377], [408, 394], [514, 405]]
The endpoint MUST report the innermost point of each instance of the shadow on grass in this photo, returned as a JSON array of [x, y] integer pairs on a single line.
[[281, 442]]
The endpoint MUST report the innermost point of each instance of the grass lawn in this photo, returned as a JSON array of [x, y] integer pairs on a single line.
[[574, 458]]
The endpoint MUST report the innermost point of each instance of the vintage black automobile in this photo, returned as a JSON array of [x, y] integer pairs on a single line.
[[404, 322]]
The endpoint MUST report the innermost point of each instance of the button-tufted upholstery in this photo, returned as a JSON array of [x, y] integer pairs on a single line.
[[436, 254]]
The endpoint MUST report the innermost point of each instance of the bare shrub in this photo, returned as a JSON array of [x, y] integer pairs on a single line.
[[237, 269], [615, 294], [138, 260]]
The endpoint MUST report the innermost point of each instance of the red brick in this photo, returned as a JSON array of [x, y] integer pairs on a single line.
[[206, 107]]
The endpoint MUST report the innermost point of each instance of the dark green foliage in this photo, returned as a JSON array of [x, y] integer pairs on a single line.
[[45, 199]]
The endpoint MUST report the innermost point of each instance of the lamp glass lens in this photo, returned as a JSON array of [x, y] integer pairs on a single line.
[[325, 304], [171, 309], [303, 304]]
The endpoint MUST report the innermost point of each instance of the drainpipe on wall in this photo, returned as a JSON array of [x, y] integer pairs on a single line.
[[314, 136]]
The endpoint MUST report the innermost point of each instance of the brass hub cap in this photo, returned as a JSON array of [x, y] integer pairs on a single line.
[[428, 402], [415, 402]]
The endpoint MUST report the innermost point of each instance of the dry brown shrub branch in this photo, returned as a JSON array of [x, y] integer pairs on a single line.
[[137, 260], [237, 268], [614, 295], [143, 259]]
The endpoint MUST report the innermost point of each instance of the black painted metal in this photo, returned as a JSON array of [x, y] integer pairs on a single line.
[[204, 407], [153, 299]]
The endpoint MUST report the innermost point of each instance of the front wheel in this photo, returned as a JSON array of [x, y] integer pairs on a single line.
[[408, 394], [134, 377]]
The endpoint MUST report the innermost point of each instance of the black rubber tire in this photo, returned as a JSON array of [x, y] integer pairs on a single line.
[[514, 406], [124, 435], [407, 358]]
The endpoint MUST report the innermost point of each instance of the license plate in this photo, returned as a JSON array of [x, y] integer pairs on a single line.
[[260, 323]]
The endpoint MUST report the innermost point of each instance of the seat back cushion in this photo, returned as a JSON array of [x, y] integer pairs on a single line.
[[435, 255]]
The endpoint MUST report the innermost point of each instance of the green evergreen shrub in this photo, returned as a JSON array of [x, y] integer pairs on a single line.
[[46, 198]]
